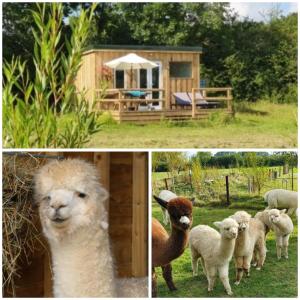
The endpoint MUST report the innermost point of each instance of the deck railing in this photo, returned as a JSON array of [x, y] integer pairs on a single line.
[[121, 100], [226, 96]]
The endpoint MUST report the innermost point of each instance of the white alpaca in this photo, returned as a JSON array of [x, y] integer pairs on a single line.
[[283, 226], [74, 219], [280, 198], [167, 196], [215, 250], [250, 243]]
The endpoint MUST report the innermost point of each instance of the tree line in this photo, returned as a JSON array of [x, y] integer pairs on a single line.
[[257, 59], [178, 161]]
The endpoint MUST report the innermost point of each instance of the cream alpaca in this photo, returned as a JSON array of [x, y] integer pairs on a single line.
[[251, 239], [280, 198], [214, 250], [283, 226], [74, 219]]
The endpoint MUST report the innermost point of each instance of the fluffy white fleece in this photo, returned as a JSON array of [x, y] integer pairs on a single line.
[[214, 249], [280, 198], [74, 219]]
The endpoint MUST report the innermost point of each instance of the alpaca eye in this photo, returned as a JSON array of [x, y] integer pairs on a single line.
[[81, 195], [47, 198]]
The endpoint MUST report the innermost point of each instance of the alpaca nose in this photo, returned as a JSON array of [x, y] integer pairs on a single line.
[[57, 206]]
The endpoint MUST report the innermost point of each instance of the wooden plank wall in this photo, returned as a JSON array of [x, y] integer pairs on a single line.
[[120, 211], [93, 62]]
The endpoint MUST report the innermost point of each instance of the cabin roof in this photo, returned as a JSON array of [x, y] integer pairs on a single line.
[[100, 47]]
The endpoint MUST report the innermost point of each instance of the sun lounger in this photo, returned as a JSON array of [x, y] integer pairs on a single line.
[[185, 99]]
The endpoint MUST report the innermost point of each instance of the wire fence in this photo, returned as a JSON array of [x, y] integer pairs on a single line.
[[215, 185]]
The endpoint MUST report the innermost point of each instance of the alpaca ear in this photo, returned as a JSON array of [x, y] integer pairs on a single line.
[[103, 194], [161, 202], [192, 200], [218, 224], [282, 211]]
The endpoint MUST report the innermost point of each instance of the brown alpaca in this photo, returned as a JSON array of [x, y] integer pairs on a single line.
[[166, 248]]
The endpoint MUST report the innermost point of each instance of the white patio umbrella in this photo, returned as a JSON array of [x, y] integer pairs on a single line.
[[130, 62]]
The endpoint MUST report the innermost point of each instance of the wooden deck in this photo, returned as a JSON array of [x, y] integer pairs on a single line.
[[124, 109]]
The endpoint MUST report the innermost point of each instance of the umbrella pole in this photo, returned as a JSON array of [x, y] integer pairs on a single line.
[[131, 75]]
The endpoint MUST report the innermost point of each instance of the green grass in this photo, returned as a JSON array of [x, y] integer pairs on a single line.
[[276, 279], [259, 125]]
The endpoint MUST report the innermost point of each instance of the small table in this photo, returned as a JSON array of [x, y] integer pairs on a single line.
[[136, 95]]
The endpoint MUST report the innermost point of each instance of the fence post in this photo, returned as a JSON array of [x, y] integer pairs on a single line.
[[292, 178], [190, 177], [193, 104], [227, 190], [166, 184]]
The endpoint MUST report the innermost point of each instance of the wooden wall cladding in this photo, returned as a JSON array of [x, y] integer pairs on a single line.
[[90, 72]]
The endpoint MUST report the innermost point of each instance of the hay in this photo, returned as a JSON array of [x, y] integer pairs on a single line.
[[21, 236]]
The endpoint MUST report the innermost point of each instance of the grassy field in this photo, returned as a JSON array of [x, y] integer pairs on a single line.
[[276, 279], [260, 125]]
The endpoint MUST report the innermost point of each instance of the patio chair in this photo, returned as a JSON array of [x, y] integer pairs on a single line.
[[184, 99]]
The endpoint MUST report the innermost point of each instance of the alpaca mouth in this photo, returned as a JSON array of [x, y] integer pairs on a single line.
[[59, 220]]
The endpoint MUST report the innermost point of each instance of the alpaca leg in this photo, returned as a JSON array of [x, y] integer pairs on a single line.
[[165, 217], [291, 211], [168, 218], [261, 251], [211, 277], [278, 246], [254, 258], [285, 245], [203, 266], [247, 264], [194, 258], [167, 274], [223, 274], [239, 269], [154, 284]]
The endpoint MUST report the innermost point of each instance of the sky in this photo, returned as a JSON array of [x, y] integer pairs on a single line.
[[257, 10]]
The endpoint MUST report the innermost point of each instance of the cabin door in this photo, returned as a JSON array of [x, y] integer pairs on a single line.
[[152, 79]]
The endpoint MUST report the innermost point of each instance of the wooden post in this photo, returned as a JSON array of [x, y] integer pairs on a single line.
[[193, 104], [139, 215], [120, 103], [166, 183], [229, 100], [227, 190], [292, 178]]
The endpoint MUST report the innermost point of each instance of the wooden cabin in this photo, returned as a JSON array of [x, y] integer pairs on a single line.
[[125, 176], [177, 71]]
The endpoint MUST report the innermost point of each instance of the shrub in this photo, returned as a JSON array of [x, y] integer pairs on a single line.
[[34, 109]]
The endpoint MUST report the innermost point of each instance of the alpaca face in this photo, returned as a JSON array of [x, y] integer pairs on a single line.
[[228, 228], [274, 215], [243, 219], [69, 196], [180, 211], [65, 208]]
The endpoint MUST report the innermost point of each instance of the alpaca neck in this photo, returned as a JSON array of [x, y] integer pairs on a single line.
[[226, 247], [243, 239], [176, 243], [82, 264], [280, 225]]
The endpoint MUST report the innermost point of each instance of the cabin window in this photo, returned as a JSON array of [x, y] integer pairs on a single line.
[[120, 79], [181, 69]]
